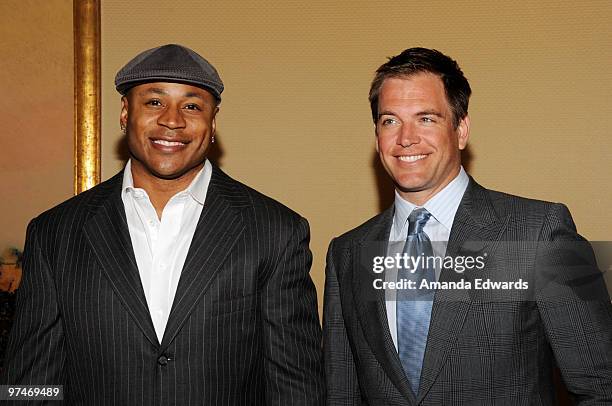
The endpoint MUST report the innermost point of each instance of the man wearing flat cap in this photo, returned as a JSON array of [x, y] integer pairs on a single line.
[[170, 283]]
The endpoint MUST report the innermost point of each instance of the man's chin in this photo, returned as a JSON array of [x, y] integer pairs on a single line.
[[165, 172], [168, 176], [162, 172], [411, 186], [174, 174]]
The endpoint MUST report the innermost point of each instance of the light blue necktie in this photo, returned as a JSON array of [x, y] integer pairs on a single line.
[[414, 306]]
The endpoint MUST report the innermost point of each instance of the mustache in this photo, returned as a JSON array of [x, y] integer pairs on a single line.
[[169, 135]]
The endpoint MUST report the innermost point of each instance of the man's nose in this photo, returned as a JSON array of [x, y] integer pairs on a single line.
[[172, 117], [408, 136]]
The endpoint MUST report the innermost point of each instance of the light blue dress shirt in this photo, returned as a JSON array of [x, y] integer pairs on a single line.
[[443, 207]]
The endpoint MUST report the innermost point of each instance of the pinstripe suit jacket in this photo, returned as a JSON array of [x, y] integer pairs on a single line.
[[243, 329], [484, 347]]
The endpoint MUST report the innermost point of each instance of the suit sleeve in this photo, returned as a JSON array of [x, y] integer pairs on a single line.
[[292, 332], [575, 308], [340, 370], [35, 353]]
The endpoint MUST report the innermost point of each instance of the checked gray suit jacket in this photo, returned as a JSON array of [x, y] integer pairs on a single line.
[[484, 347], [243, 328]]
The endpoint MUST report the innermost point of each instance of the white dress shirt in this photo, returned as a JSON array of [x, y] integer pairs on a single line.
[[443, 207], [161, 246]]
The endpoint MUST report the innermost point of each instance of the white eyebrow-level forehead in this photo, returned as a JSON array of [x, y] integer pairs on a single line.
[[428, 112], [431, 112], [386, 113]]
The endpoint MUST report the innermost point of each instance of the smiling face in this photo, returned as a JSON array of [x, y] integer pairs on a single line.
[[169, 127], [415, 137]]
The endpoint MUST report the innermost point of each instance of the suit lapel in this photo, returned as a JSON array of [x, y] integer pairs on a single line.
[[219, 228], [476, 228], [108, 234], [372, 307]]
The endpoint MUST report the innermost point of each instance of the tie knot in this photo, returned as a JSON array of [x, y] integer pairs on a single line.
[[417, 220]]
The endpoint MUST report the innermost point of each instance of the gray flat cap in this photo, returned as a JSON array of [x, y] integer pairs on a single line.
[[169, 63]]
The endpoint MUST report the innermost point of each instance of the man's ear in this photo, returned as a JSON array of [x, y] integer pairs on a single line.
[[463, 132], [213, 124], [123, 116]]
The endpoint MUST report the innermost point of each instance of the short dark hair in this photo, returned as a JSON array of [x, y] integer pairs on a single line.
[[418, 60]]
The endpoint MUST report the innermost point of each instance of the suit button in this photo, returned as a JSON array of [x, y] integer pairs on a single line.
[[162, 360]]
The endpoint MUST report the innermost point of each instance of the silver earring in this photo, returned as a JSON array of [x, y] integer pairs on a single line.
[[213, 139]]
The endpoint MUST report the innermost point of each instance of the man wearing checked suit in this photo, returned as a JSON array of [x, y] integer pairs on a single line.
[[170, 283], [458, 346]]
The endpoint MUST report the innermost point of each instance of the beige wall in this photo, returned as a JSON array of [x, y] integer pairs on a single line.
[[36, 78], [295, 122]]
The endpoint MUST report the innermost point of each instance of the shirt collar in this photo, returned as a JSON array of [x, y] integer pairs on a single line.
[[196, 189], [442, 206]]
